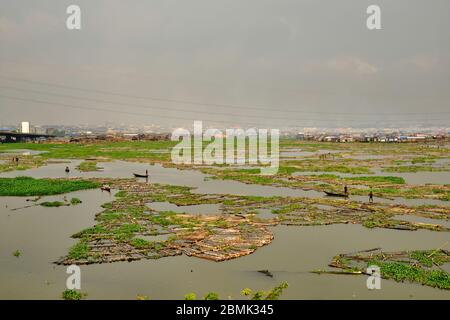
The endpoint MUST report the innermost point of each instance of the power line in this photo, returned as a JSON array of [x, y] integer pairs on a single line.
[[146, 107], [120, 111], [146, 114], [118, 94]]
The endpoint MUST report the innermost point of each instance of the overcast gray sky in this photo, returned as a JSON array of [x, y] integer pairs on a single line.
[[303, 62]]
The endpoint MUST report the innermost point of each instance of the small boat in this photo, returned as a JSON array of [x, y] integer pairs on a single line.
[[140, 175], [334, 194]]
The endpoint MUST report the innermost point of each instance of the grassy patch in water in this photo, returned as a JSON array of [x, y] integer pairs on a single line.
[[53, 204], [75, 201], [303, 166], [88, 166], [69, 294], [190, 296], [79, 251], [427, 159], [429, 258], [413, 169], [419, 266], [289, 208], [273, 294], [122, 150], [399, 272], [211, 296], [378, 179], [140, 243], [371, 179], [25, 163], [26, 186], [126, 231]]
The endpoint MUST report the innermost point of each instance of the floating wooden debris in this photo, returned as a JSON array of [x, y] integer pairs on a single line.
[[122, 227], [420, 266]]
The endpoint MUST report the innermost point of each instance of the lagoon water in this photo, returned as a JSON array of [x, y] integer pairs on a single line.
[[159, 174], [44, 234]]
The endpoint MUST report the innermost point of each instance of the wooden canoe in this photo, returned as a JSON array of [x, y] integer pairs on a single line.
[[140, 175], [334, 194]]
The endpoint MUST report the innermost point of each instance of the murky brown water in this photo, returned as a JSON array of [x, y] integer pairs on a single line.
[[159, 174], [43, 235]]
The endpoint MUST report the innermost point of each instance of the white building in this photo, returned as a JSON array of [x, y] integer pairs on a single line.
[[25, 127]]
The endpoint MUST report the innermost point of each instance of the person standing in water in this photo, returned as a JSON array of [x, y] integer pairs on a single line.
[[67, 170], [370, 196]]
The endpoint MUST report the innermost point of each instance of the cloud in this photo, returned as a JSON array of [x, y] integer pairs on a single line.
[[8, 28], [349, 65], [422, 62], [290, 27], [35, 23]]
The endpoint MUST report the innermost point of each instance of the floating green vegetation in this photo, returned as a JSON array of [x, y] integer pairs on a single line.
[[427, 159], [363, 179], [419, 266], [87, 166], [124, 222], [75, 201], [190, 296], [16, 253], [430, 257], [120, 194], [122, 228], [54, 204], [276, 292], [273, 294], [26, 186], [79, 251], [70, 294], [25, 163], [378, 179], [126, 231], [140, 243], [289, 208], [211, 296], [400, 271], [310, 166], [126, 150], [96, 230], [414, 169], [382, 186]]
